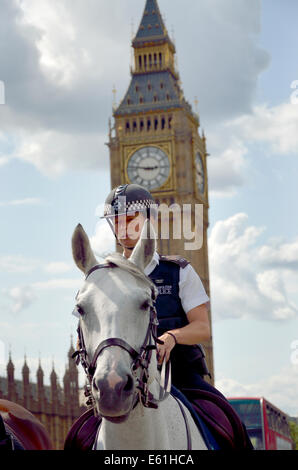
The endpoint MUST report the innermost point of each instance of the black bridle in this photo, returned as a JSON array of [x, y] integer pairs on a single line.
[[141, 359]]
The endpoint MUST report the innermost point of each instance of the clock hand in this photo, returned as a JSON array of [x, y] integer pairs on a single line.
[[146, 167], [149, 167]]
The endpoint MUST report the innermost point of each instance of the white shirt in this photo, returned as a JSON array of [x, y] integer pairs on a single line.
[[191, 289]]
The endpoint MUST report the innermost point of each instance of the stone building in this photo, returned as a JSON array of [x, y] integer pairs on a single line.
[[55, 406]]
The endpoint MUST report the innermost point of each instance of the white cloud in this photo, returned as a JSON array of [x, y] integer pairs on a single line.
[[4, 161], [282, 254], [52, 153], [275, 126], [57, 267], [242, 284], [21, 297], [29, 201], [54, 284], [227, 169], [280, 389], [17, 264], [273, 129], [103, 241]]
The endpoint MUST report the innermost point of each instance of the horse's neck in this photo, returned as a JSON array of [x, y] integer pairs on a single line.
[[144, 429]]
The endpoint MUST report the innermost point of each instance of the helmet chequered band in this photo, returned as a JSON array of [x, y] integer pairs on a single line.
[[131, 206]]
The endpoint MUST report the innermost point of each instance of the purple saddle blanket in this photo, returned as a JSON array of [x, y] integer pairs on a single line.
[[217, 413]]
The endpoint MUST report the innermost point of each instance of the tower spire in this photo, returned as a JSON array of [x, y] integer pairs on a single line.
[[152, 27]]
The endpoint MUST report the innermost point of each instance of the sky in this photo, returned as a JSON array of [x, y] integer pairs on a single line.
[[59, 62]]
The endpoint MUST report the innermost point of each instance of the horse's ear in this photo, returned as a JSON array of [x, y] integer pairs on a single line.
[[81, 250], [144, 250]]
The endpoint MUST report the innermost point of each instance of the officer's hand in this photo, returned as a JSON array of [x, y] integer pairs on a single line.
[[164, 350]]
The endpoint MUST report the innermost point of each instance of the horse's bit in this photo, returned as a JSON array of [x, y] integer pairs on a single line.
[[140, 360]]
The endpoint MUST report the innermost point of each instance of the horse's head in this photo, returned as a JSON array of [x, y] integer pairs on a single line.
[[115, 302]]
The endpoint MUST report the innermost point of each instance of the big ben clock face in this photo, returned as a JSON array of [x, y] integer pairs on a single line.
[[149, 167], [200, 174]]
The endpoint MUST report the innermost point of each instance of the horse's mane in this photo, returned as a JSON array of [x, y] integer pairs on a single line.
[[121, 262]]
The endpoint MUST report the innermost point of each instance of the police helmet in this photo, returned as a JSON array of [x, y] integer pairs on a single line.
[[128, 199]]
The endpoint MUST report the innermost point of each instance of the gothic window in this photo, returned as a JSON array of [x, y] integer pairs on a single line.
[[170, 122], [155, 123], [148, 124], [140, 61], [161, 85], [163, 123], [145, 62], [155, 59], [150, 61], [141, 100], [141, 125], [155, 98], [127, 126], [134, 126], [160, 59]]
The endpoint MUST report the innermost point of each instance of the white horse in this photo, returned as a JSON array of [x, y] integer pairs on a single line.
[[116, 325]]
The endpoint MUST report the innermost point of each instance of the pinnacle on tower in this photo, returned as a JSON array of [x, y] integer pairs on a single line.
[[39, 372], [10, 366], [152, 27], [25, 369]]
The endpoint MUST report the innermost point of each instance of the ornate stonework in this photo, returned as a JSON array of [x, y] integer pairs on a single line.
[[56, 407]]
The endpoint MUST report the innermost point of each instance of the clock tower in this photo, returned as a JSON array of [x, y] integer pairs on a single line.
[[156, 142]]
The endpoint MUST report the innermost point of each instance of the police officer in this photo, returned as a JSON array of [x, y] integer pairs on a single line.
[[182, 301]]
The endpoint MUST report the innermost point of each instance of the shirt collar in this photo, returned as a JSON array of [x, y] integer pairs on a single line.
[[152, 265]]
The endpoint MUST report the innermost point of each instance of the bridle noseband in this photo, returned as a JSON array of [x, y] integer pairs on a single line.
[[141, 359]]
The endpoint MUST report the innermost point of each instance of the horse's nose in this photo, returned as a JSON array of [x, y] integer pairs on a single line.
[[114, 383]]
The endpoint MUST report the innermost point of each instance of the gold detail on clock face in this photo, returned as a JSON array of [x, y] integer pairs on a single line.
[[200, 174], [149, 167]]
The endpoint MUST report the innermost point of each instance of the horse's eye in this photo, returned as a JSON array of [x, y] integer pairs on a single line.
[[145, 305], [78, 311]]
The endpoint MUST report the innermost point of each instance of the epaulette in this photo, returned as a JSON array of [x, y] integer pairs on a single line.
[[182, 262]]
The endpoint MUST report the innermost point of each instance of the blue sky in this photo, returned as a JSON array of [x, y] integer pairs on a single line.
[[54, 172]]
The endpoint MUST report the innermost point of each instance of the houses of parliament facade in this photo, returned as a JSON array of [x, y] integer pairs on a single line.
[[55, 406]]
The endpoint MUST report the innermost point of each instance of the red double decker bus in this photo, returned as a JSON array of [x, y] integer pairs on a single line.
[[267, 426]]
